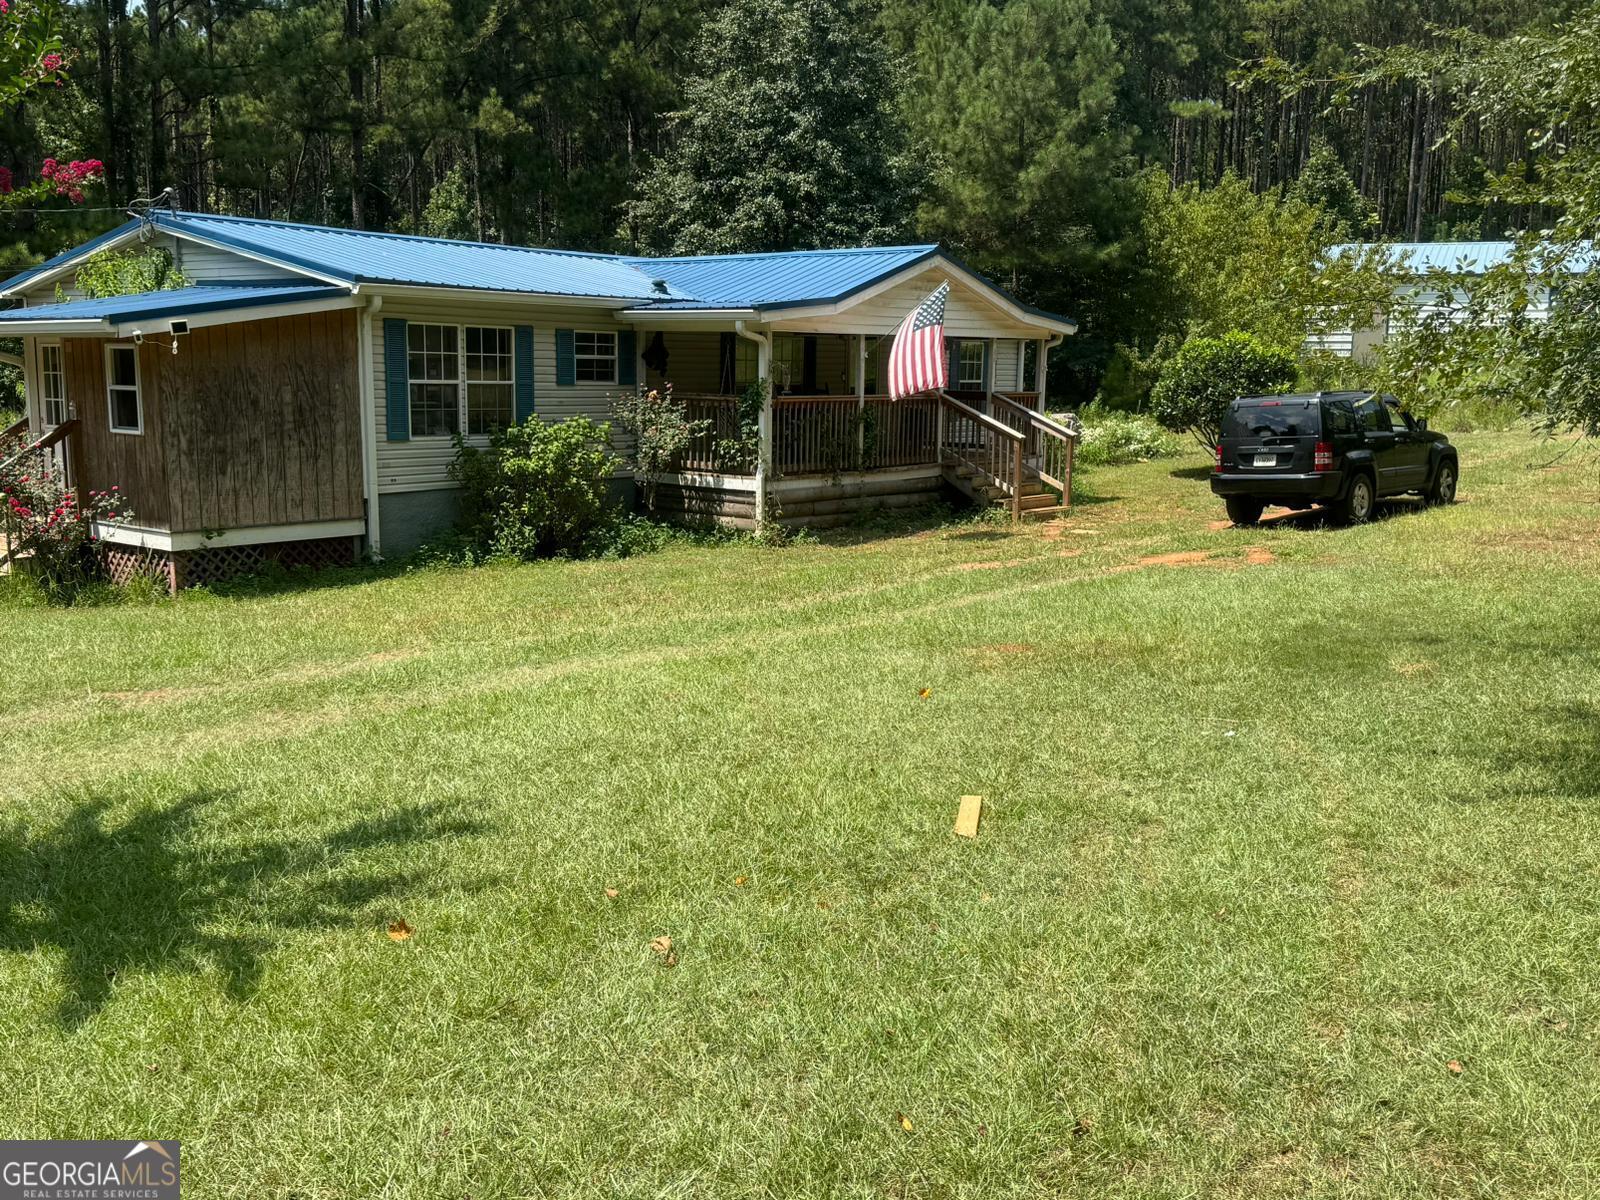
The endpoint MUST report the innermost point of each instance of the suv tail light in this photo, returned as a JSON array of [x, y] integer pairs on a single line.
[[1219, 458], [1322, 457]]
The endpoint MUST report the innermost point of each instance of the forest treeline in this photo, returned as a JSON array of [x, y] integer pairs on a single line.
[[1021, 133]]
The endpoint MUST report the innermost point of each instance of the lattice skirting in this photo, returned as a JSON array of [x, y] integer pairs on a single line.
[[176, 569]]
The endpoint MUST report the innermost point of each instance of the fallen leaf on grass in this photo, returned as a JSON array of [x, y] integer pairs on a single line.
[[399, 931], [925, 693], [740, 880], [611, 893], [663, 946], [1454, 1067], [905, 1122], [1082, 1126]]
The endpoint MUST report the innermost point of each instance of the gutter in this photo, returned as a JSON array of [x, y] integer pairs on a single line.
[[763, 343]]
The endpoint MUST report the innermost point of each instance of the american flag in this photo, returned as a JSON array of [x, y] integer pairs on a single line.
[[917, 359]]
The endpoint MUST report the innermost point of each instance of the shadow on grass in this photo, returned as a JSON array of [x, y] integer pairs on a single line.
[[1323, 518], [1190, 473], [162, 892]]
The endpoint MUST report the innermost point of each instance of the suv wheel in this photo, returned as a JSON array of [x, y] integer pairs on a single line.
[[1443, 490], [1356, 507], [1242, 510]]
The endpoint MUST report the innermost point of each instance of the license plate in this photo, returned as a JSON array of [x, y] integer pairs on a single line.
[[1266, 460]]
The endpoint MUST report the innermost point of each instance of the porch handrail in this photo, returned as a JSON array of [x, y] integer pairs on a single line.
[[55, 436], [982, 418], [20, 427], [1052, 445], [989, 447], [1038, 418]]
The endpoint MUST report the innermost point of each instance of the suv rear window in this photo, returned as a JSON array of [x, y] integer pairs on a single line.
[[1288, 418]]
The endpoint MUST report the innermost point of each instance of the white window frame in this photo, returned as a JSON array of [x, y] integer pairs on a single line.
[[578, 356], [466, 384], [45, 399], [463, 414], [746, 363], [138, 389], [962, 384]]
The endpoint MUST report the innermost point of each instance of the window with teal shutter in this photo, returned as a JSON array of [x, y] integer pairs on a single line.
[[524, 372], [397, 417], [566, 367], [627, 358]]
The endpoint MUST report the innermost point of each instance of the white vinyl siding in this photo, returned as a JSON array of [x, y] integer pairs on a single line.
[[1007, 366], [967, 313], [423, 463]]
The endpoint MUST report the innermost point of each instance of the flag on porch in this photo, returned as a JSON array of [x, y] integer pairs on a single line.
[[917, 359]]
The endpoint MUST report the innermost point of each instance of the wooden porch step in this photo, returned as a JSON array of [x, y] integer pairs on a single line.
[[1045, 512]]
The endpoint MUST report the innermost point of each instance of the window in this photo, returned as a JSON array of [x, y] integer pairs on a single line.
[[1367, 414], [1338, 418], [490, 387], [595, 357], [969, 376], [745, 362], [461, 378], [122, 389], [788, 361], [434, 375], [1398, 421], [52, 385]]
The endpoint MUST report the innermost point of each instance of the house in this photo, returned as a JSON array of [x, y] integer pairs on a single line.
[[296, 399], [1418, 269]]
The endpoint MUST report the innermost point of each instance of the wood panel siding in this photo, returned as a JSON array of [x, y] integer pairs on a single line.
[[248, 424], [134, 462]]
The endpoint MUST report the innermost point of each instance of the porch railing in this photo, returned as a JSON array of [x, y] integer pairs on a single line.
[[991, 449], [61, 436], [1048, 446], [819, 434]]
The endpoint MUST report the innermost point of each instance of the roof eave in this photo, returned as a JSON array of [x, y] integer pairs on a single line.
[[53, 328], [389, 288], [54, 268]]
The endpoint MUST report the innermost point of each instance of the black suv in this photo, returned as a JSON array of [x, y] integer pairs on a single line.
[[1341, 449]]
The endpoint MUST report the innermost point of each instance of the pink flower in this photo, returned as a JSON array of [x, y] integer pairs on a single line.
[[51, 63], [4, 8], [48, 169]]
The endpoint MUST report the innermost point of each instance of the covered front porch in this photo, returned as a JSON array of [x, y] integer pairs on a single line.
[[828, 443]]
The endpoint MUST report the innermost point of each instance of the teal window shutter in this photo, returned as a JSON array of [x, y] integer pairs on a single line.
[[987, 379], [522, 368], [566, 369], [397, 420], [627, 357], [953, 372]]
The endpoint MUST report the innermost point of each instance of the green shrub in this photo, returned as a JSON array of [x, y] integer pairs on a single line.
[[539, 491], [1114, 438], [1208, 374]]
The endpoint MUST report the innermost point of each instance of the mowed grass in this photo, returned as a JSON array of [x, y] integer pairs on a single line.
[[1280, 824]]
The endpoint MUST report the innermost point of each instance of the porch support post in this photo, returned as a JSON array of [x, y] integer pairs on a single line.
[[763, 343], [861, 398]]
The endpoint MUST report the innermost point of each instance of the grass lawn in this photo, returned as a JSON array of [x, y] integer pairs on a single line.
[[1281, 824]]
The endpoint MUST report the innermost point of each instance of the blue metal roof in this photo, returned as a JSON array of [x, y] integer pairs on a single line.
[[352, 257], [778, 280], [359, 256], [176, 302], [1460, 258], [88, 247]]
